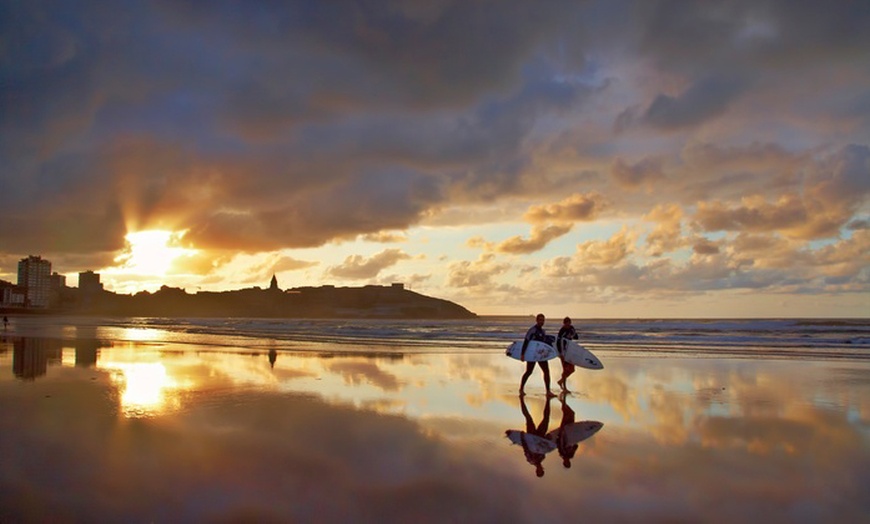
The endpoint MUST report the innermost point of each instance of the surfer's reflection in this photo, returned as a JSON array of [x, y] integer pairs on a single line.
[[569, 434], [536, 441], [566, 451]]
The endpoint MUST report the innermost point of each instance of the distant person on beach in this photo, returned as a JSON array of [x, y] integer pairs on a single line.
[[5, 322], [536, 332], [535, 459], [566, 332]]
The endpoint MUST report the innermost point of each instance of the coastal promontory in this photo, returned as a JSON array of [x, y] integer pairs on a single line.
[[304, 302]]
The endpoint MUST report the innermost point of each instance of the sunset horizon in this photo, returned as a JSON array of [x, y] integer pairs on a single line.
[[594, 160]]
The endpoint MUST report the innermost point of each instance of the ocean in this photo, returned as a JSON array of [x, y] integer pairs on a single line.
[[743, 338]]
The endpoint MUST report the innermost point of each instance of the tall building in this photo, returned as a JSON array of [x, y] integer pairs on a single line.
[[90, 288], [58, 281], [34, 274], [89, 282], [58, 284]]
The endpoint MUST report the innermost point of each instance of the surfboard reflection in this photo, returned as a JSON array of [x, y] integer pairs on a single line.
[[536, 441], [571, 433]]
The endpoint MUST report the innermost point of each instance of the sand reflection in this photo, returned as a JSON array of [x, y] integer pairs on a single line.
[[190, 433], [146, 388], [141, 334]]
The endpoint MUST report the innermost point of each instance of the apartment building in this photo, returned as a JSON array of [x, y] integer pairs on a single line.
[[34, 275]]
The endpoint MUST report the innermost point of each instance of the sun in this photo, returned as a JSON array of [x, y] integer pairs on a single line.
[[152, 252]]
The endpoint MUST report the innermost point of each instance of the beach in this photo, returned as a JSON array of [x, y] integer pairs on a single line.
[[166, 421]]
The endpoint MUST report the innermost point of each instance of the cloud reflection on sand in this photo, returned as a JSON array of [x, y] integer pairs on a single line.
[[358, 371], [309, 437]]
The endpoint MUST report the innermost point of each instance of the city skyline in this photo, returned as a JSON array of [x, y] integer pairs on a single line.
[[591, 159], [28, 278]]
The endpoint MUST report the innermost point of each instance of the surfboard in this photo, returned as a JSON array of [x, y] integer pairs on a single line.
[[534, 443], [536, 351], [579, 356], [576, 432]]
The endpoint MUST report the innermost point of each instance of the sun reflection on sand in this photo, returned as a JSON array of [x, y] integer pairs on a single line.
[[141, 334], [146, 388]]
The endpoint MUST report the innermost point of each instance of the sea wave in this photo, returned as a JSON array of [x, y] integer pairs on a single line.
[[744, 338]]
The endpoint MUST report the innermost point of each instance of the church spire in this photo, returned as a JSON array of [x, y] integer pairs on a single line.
[[274, 283]]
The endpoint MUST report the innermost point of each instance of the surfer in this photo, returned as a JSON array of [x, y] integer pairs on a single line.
[[536, 332], [567, 331], [533, 458], [5, 322]]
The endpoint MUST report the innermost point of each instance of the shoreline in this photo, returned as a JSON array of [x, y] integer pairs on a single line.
[[813, 339], [865, 319]]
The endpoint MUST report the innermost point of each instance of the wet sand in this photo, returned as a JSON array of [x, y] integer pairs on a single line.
[[161, 432]]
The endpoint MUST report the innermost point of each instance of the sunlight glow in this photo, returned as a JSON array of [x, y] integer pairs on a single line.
[[152, 252]]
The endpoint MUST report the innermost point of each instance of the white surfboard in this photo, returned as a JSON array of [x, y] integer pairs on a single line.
[[536, 351], [578, 355], [534, 443], [576, 432]]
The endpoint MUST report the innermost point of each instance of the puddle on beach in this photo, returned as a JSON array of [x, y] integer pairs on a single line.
[[144, 431]]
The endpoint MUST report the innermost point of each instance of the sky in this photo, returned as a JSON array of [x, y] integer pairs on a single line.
[[593, 159]]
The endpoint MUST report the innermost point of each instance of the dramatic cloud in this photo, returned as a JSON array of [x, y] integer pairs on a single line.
[[476, 274], [292, 264], [668, 233], [357, 267], [644, 172], [384, 237], [576, 208], [594, 253], [705, 99], [541, 236], [609, 253], [312, 130]]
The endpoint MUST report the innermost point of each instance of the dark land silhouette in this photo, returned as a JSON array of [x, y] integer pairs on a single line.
[[305, 302]]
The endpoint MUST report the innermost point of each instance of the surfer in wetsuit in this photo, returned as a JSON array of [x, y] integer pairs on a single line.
[[536, 332], [535, 459], [567, 331]]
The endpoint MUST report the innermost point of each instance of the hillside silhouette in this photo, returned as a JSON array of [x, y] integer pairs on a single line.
[[306, 302]]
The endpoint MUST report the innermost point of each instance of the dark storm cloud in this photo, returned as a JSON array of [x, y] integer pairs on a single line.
[[261, 125], [722, 52], [744, 35], [421, 52], [647, 171], [704, 99]]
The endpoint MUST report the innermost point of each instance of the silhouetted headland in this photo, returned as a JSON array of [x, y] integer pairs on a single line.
[[305, 302]]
